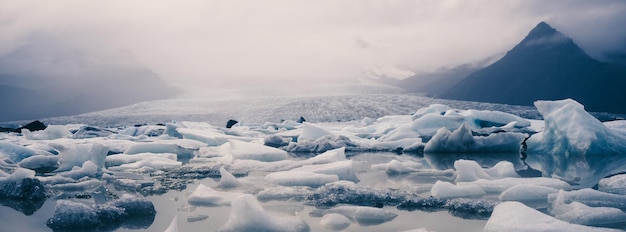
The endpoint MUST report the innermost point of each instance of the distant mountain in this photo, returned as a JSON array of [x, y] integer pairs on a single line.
[[546, 65], [36, 82], [438, 82]]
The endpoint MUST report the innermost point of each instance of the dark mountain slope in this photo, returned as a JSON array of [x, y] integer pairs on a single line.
[[546, 65]]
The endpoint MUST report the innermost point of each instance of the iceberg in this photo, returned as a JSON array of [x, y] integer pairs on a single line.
[[247, 150], [529, 194], [173, 227], [300, 178], [342, 169], [591, 197], [75, 155], [247, 214], [227, 180], [469, 170], [579, 213], [335, 221], [207, 196], [461, 140], [362, 215], [514, 216], [574, 145], [614, 184], [446, 190], [15, 153], [500, 185]]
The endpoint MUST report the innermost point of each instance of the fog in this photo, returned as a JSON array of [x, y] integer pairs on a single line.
[[285, 44]]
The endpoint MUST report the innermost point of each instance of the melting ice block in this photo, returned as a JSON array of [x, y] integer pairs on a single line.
[[173, 225], [428, 120], [247, 214], [74, 155], [469, 170], [15, 153], [528, 194], [227, 180], [461, 140], [396, 167], [592, 198], [615, 184], [574, 145], [343, 169], [206, 196], [579, 213], [362, 215], [253, 151], [335, 221], [514, 216], [500, 185], [300, 178], [446, 190]]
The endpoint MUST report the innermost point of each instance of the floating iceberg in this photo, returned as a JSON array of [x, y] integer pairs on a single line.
[[461, 140], [579, 213], [247, 214], [362, 215], [514, 216], [335, 221], [469, 170], [207, 196], [615, 184], [574, 145], [246, 150], [295, 178], [446, 190]]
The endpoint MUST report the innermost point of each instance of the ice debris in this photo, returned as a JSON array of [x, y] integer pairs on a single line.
[[247, 214], [514, 216], [362, 215], [335, 221]]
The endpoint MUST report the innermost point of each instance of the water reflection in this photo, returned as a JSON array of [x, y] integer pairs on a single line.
[[443, 161], [26, 206], [133, 223]]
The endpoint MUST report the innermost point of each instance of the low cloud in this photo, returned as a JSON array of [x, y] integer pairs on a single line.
[[236, 42]]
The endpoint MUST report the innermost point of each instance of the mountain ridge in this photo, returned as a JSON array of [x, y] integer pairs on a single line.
[[545, 65]]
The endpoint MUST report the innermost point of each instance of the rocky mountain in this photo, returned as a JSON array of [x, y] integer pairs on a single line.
[[546, 65]]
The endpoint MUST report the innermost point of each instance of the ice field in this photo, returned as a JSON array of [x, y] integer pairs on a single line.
[[358, 163]]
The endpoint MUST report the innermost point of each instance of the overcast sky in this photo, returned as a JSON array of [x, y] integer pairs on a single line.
[[211, 42]]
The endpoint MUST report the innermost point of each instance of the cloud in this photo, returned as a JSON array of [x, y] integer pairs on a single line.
[[238, 42]]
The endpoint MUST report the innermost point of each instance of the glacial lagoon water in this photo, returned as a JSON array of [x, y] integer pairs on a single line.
[[173, 202]]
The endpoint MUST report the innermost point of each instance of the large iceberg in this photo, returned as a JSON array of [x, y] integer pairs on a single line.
[[574, 145]]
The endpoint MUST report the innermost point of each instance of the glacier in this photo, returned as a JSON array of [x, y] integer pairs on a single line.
[[511, 169]]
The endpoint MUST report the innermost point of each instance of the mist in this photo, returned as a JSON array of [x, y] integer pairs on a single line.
[[277, 45]]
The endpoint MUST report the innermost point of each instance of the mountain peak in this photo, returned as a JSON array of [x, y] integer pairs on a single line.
[[544, 33]]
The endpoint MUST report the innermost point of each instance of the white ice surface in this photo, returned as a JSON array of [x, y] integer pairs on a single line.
[[574, 145], [247, 214], [447, 190], [513, 216], [335, 221]]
